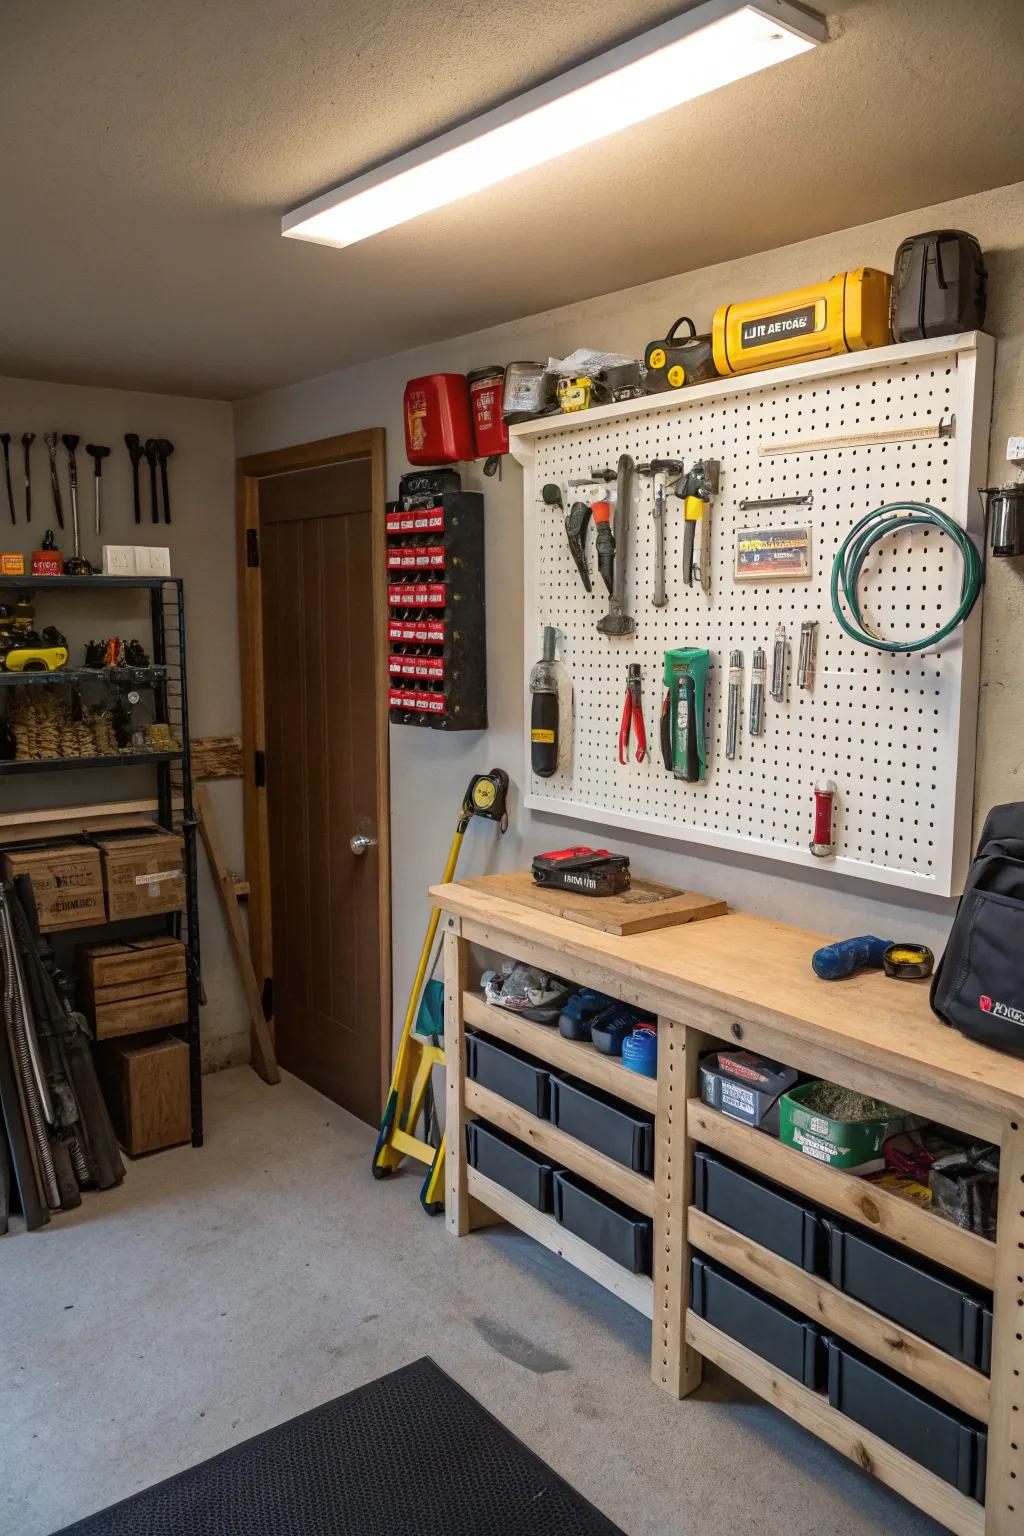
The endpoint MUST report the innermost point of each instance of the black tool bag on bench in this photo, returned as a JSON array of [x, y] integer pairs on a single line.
[[978, 985]]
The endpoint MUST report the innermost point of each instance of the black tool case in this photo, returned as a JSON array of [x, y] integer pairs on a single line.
[[516, 1167], [768, 1327], [939, 286], [604, 1223], [605, 1123], [764, 1212], [921, 1426], [922, 1297], [509, 1072]]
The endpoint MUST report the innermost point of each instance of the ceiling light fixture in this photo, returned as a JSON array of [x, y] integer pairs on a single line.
[[708, 46]]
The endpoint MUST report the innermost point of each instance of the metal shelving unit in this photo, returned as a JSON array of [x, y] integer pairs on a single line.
[[167, 679]]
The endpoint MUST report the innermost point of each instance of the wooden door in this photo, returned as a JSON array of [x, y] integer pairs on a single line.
[[321, 693]]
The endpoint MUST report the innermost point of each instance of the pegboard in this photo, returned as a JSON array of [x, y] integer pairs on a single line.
[[896, 733]]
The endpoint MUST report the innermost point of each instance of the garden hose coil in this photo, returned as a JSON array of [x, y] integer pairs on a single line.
[[896, 517]]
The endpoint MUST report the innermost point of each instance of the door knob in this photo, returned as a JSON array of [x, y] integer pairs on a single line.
[[360, 842]]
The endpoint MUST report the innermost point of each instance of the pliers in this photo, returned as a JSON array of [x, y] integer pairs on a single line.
[[633, 717]]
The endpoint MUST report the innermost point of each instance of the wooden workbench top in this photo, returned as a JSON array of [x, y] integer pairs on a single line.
[[759, 971]]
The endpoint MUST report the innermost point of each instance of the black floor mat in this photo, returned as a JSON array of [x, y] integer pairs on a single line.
[[409, 1455]]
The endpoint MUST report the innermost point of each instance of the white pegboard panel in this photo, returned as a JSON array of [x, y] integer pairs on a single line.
[[896, 733]]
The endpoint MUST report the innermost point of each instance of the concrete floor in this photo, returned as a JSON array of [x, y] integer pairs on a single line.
[[222, 1291]]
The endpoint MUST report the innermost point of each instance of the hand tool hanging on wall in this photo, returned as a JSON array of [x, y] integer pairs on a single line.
[[735, 703], [757, 679], [659, 469], [485, 797], [551, 495], [616, 621], [577, 522], [550, 711], [134, 446], [778, 683], [682, 717], [696, 489], [27, 439], [97, 453], [633, 717], [807, 656], [150, 451], [823, 841], [164, 449], [51, 439], [77, 565], [5, 439]]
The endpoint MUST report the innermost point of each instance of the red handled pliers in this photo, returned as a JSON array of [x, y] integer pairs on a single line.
[[633, 717]]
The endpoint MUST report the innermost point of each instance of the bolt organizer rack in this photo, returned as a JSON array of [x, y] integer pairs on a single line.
[[869, 1034], [166, 682]]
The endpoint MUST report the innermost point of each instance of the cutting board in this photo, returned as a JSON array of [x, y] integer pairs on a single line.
[[645, 906]]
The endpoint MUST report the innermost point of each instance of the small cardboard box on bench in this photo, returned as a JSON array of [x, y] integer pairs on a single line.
[[67, 881], [143, 873], [134, 986]]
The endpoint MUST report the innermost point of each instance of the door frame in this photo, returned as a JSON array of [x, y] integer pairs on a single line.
[[250, 470]]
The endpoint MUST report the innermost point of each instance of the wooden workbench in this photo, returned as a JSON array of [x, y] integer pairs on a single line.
[[738, 978]]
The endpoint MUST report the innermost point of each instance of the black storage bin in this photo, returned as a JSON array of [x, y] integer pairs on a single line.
[[922, 1297], [761, 1210], [921, 1426], [768, 1327], [509, 1072], [604, 1223], [517, 1168], [608, 1125]]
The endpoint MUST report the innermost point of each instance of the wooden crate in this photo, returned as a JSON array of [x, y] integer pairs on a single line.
[[143, 873], [146, 1087], [67, 882], [135, 986]]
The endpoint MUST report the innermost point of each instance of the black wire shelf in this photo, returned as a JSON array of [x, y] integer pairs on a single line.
[[107, 760], [111, 677]]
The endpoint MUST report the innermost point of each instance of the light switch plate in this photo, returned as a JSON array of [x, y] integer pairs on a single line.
[[1015, 450], [119, 560], [152, 560]]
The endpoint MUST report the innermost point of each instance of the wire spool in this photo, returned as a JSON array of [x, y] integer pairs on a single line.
[[897, 517]]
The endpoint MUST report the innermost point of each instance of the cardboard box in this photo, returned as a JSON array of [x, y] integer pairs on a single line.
[[135, 986], [67, 881], [143, 873], [146, 1087]]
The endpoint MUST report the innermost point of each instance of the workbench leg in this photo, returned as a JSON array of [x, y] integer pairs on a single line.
[[1004, 1499], [674, 1365]]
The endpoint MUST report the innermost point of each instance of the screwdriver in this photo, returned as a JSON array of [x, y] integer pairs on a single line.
[[757, 675], [735, 692]]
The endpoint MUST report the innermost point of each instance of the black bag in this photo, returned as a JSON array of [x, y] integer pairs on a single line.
[[978, 986], [939, 286]]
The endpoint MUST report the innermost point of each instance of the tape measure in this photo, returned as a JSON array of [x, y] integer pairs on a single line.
[[908, 962], [487, 794]]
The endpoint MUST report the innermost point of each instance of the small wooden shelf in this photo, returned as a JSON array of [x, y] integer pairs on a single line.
[[633, 1189], [900, 1220], [963, 1516], [637, 1290], [573, 1056], [896, 1347]]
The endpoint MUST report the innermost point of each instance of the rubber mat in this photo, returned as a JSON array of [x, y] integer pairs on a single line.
[[409, 1455]]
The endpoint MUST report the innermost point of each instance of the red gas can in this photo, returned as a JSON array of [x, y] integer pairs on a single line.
[[438, 428], [486, 397]]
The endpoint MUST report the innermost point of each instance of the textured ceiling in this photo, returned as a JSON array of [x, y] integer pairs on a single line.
[[151, 146]]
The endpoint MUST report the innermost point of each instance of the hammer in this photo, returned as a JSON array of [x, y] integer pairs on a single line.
[[97, 453]]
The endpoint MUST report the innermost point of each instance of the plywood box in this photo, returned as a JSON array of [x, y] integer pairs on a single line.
[[67, 880], [135, 986], [143, 873], [146, 1087]]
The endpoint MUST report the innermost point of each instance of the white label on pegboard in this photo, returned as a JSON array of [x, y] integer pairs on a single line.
[[887, 728]]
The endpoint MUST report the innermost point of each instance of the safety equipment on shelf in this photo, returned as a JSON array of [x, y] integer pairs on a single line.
[[896, 517], [846, 313], [409, 1093], [679, 360]]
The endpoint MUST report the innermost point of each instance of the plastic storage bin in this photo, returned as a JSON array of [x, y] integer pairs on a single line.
[[604, 1223], [607, 1124], [762, 1211], [929, 1301], [919, 1425], [768, 1327], [517, 1168], [508, 1072]]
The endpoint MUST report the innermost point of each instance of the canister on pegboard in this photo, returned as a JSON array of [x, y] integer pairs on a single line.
[[438, 428], [486, 399]]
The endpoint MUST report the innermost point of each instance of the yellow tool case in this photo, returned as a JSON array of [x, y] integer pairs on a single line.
[[846, 313]]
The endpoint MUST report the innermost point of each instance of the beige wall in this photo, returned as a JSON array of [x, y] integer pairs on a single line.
[[201, 539], [429, 773]]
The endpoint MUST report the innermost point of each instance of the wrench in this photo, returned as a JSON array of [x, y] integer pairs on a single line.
[[27, 439], [51, 439]]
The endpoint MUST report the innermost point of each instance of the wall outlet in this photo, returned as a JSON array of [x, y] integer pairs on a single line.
[[152, 560], [1015, 450], [119, 560]]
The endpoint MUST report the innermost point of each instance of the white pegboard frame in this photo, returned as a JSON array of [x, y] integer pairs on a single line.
[[906, 767]]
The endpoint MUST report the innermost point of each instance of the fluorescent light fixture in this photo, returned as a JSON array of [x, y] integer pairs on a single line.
[[706, 47]]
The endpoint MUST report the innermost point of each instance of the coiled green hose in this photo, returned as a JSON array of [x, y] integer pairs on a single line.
[[851, 554]]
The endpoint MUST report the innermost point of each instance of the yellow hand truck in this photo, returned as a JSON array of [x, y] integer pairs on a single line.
[[418, 1053]]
